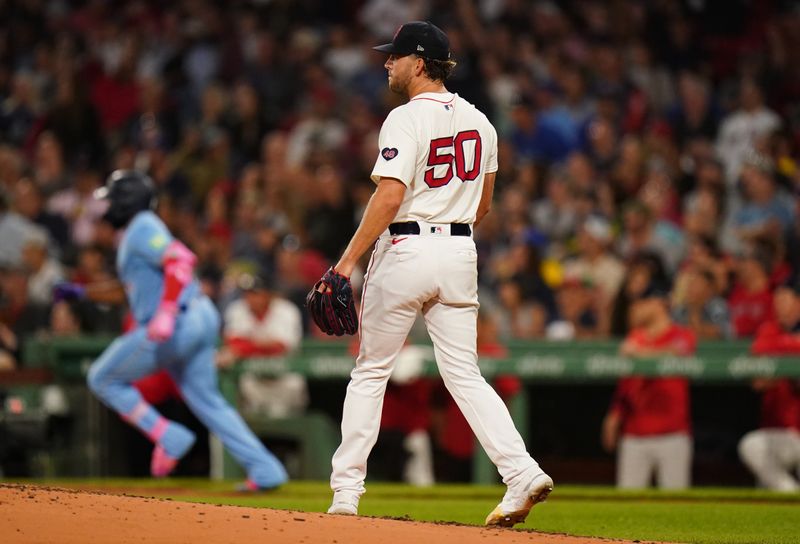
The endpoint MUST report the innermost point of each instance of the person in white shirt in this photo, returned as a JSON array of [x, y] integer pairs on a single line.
[[45, 272], [435, 175], [740, 130], [263, 324]]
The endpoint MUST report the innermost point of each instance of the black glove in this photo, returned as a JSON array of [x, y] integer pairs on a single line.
[[330, 303]]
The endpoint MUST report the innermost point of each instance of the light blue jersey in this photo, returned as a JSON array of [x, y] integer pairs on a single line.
[[139, 265], [188, 357]]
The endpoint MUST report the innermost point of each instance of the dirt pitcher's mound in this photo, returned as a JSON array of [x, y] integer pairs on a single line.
[[32, 514]]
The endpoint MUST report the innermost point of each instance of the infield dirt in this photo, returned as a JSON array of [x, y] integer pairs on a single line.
[[34, 514]]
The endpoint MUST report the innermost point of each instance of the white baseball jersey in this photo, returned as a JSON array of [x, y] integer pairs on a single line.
[[282, 323], [440, 146]]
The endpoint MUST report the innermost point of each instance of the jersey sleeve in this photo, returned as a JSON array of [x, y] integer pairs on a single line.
[[398, 144], [491, 157], [149, 240]]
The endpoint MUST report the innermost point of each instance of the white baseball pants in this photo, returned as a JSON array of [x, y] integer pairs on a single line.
[[773, 455], [435, 274], [669, 455]]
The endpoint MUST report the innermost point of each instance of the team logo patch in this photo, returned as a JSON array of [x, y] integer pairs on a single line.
[[158, 241], [389, 153]]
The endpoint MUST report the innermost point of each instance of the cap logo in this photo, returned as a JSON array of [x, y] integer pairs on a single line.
[[389, 153], [420, 48], [396, 32]]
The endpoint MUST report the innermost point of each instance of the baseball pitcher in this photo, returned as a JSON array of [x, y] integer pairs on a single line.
[[435, 176]]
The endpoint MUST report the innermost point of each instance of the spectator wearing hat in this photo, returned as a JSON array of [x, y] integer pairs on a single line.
[[772, 452], [263, 324], [594, 261], [648, 422], [594, 266]]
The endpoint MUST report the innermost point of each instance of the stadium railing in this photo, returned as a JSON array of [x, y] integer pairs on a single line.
[[68, 360]]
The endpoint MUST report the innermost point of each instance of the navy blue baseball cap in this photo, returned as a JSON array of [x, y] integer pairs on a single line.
[[419, 38]]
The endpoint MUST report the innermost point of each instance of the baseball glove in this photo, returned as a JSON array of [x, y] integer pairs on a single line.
[[330, 303]]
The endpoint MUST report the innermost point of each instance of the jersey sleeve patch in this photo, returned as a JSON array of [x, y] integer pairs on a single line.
[[388, 153], [158, 241]]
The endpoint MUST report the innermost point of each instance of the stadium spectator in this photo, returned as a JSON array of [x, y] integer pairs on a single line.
[[20, 110], [29, 203], [261, 323], [77, 205], [648, 422], [594, 261], [642, 231], [701, 309], [642, 270], [526, 298], [536, 137], [694, 116], [330, 217], [703, 254], [740, 130], [765, 213], [555, 215], [15, 231], [20, 318], [703, 212], [580, 309], [750, 300], [44, 272], [772, 452], [65, 319]]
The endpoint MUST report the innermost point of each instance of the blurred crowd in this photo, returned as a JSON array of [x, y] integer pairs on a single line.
[[639, 142]]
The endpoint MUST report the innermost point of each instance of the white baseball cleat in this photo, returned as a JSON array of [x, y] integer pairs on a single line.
[[515, 506], [344, 504]]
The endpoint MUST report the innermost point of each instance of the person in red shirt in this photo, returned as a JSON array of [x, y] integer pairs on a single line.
[[772, 452], [750, 301], [648, 422]]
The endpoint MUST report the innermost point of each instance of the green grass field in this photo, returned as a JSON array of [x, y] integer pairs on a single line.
[[705, 516]]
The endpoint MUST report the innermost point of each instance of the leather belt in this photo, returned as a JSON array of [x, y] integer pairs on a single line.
[[412, 227]]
